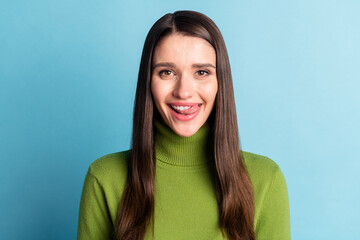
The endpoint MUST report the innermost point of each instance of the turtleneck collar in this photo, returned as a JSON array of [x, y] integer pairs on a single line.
[[173, 149]]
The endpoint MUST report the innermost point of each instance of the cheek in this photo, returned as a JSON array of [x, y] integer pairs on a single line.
[[209, 92], [155, 94], [158, 92], [214, 91]]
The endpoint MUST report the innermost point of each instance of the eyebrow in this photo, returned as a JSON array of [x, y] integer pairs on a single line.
[[195, 65]]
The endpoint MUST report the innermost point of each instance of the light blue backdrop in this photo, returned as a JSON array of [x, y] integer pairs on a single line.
[[68, 71]]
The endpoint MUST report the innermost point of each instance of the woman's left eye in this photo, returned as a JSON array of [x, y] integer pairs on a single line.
[[202, 72]]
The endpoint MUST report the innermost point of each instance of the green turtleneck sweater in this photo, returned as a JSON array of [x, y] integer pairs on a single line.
[[185, 200]]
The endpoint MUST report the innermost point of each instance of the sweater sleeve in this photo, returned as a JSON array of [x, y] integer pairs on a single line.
[[274, 216], [94, 216]]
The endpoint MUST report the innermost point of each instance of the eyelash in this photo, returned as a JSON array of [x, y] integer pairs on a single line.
[[203, 71], [163, 71]]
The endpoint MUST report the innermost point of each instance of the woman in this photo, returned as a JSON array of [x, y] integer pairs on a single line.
[[184, 177]]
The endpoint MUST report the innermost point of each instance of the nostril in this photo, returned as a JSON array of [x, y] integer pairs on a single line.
[[183, 92]]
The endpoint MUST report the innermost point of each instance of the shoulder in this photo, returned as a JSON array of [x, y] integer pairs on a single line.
[[266, 175], [102, 191], [272, 218], [260, 166], [111, 167]]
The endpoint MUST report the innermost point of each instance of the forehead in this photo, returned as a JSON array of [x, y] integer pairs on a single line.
[[184, 49]]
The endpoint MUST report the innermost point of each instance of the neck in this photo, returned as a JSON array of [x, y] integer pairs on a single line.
[[181, 151]]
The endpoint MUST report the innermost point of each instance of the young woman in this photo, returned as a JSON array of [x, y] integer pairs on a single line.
[[185, 177]]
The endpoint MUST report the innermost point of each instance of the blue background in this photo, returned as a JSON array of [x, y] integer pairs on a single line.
[[68, 71]]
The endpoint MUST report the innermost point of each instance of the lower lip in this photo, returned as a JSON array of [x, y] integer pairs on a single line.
[[183, 117]]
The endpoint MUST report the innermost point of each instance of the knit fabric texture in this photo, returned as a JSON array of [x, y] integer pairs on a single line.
[[185, 196]]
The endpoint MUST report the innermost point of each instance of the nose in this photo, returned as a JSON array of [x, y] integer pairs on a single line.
[[184, 88]]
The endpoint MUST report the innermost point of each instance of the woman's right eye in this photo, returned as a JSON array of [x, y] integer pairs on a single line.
[[165, 72]]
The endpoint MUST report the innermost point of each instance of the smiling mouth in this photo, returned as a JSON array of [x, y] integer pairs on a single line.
[[185, 109]]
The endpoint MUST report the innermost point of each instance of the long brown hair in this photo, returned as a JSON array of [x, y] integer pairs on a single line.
[[233, 185]]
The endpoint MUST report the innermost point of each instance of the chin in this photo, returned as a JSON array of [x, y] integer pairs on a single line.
[[185, 132]]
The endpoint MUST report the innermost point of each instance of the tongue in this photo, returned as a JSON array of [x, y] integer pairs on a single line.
[[191, 110]]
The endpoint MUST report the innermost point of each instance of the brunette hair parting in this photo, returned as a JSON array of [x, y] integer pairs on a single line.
[[233, 185]]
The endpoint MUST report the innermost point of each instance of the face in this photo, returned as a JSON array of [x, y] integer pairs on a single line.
[[184, 82]]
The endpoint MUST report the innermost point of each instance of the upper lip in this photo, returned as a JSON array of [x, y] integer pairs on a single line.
[[184, 104]]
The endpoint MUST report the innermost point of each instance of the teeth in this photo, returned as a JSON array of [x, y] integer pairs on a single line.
[[180, 108]]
